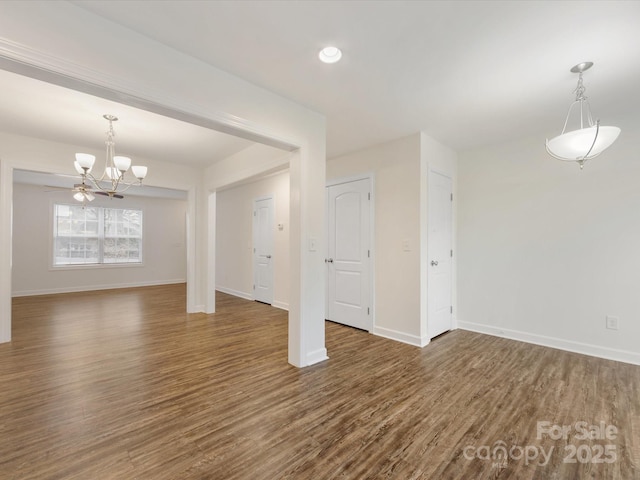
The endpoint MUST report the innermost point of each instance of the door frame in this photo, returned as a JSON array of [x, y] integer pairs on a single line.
[[372, 246], [452, 279], [253, 241]]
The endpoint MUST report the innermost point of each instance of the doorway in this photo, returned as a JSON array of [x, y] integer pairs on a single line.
[[263, 227], [440, 254], [349, 253]]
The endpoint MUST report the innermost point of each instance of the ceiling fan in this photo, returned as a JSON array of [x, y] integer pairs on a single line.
[[83, 193]]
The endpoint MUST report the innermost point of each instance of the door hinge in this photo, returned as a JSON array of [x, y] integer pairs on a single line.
[[451, 253], [452, 197], [254, 250], [369, 195], [451, 309], [369, 253], [254, 287], [367, 310]]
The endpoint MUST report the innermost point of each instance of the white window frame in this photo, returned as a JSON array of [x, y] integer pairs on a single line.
[[101, 237]]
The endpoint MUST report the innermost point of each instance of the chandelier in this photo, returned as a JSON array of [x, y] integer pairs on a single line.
[[112, 181], [588, 141]]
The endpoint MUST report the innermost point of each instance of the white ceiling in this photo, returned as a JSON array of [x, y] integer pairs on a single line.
[[469, 73]]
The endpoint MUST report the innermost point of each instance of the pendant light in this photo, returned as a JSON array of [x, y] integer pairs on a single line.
[[588, 141]]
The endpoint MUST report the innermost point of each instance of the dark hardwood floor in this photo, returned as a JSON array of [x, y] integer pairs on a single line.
[[123, 384]]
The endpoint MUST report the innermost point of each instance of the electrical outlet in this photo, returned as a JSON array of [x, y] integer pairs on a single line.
[[612, 322]]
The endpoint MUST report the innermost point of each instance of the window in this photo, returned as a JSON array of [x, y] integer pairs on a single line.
[[96, 235]]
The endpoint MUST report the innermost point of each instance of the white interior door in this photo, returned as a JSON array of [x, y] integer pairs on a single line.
[[263, 228], [440, 254], [348, 254]]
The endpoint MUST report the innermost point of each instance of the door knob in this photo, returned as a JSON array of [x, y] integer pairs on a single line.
[[268, 256], [328, 260], [434, 263]]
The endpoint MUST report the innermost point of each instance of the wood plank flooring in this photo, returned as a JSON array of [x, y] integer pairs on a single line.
[[123, 384]]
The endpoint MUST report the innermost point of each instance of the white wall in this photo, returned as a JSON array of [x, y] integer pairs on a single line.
[[396, 166], [164, 251], [234, 241], [548, 251]]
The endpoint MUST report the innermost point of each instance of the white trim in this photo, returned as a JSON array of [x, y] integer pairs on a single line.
[[198, 308], [281, 305], [553, 342], [316, 356], [191, 241], [391, 334], [248, 296], [235, 293], [101, 238], [89, 288], [351, 178], [210, 297], [6, 245]]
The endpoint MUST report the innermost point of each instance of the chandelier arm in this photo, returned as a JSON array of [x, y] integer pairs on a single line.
[[566, 120], [114, 183], [589, 116], [594, 140], [127, 186], [95, 181], [581, 114]]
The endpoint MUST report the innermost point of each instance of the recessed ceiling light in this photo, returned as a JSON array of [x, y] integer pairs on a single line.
[[330, 54]]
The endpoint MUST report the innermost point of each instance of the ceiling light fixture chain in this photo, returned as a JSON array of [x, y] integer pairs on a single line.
[[112, 182], [590, 139], [580, 89]]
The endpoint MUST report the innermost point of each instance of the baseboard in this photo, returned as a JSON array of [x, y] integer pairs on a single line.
[[196, 309], [89, 288], [552, 342], [235, 293], [403, 337], [248, 296], [317, 356], [280, 305]]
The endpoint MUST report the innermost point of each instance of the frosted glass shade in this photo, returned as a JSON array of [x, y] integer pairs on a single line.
[[139, 171], [85, 160], [82, 196], [574, 145], [79, 169], [122, 163]]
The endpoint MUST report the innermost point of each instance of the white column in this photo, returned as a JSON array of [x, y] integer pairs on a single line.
[[307, 244], [210, 291], [6, 196]]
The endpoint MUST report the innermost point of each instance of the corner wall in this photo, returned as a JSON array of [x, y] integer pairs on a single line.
[[234, 241], [548, 251], [396, 166]]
